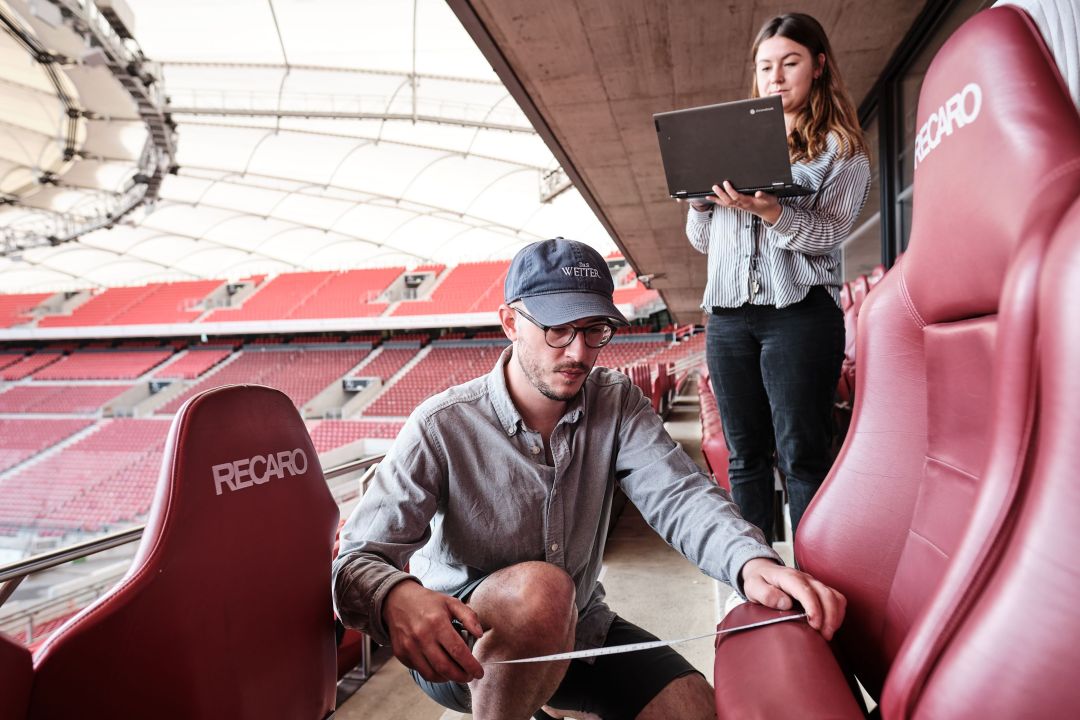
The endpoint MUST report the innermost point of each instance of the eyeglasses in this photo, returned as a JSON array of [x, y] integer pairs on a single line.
[[596, 336]]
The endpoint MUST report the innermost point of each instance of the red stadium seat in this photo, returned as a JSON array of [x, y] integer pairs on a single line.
[[860, 288], [845, 386], [226, 610], [926, 480], [875, 275], [1020, 624], [17, 671]]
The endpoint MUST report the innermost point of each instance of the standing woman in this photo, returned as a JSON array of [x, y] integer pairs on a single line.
[[776, 333]]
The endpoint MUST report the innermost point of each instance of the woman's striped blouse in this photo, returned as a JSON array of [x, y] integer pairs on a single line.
[[753, 262]]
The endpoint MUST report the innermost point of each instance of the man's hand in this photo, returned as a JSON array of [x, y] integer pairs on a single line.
[[423, 638], [773, 585]]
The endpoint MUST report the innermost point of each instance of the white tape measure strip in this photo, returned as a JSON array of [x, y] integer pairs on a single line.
[[616, 649]]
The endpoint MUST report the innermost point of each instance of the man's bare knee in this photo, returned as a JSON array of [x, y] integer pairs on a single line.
[[526, 609], [533, 590]]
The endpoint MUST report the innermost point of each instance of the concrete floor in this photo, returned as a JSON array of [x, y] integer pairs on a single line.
[[647, 582]]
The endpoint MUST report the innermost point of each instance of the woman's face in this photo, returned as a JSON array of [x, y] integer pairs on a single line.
[[784, 67]]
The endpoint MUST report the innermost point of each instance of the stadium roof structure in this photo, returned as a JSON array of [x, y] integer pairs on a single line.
[[152, 141]]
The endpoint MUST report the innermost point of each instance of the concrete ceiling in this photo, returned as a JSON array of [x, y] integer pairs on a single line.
[[591, 73]]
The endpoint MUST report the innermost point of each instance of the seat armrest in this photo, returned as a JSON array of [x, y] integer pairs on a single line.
[[781, 670]]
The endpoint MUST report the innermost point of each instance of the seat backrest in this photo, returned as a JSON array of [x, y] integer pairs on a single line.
[[16, 674], [1022, 627], [1020, 635], [226, 609], [945, 341]]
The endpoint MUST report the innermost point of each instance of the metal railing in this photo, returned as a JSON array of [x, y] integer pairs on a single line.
[[12, 574]]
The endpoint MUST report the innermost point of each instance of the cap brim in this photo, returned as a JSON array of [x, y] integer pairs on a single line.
[[567, 307]]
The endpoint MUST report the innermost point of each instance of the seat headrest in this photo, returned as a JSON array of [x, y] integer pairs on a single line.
[[238, 462], [997, 132]]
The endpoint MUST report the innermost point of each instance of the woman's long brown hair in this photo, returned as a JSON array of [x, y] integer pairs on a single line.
[[829, 108]]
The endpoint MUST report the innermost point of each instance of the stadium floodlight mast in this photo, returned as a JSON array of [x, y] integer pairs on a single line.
[[104, 29]]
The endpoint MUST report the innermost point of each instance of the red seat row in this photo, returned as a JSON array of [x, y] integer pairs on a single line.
[[713, 445], [110, 365], [104, 479], [23, 438], [80, 399], [619, 353], [442, 367], [330, 434], [302, 374], [656, 382], [154, 303], [852, 295], [466, 288], [17, 309], [193, 363]]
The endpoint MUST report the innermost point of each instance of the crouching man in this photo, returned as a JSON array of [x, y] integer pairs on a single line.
[[499, 491]]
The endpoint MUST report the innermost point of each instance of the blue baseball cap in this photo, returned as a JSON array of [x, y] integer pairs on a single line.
[[561, 281]]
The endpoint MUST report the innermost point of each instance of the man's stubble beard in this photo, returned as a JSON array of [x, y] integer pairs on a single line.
[[533, 373]]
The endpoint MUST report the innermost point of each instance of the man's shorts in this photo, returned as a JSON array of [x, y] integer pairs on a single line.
[[613, 687]]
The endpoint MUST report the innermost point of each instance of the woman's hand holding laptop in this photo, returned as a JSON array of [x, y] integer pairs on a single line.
[[763, 204]]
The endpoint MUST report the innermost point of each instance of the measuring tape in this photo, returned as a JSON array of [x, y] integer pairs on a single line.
[[632, 647]]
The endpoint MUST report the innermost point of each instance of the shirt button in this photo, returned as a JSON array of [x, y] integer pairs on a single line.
[[535, 449], [554, 547]]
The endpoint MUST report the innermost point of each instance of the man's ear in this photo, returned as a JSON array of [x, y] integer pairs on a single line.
[[508, 321]]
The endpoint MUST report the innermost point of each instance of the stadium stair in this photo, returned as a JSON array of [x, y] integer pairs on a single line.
[[154, 403], [404, 370], [51, 450]]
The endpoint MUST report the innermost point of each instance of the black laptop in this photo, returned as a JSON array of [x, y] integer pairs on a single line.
[[744, 142]]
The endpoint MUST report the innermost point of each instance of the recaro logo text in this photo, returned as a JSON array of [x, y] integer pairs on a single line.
[[959, 110], [240, 474]]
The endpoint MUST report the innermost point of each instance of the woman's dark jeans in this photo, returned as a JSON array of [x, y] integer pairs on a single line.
[[774, 373]]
